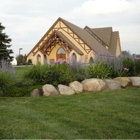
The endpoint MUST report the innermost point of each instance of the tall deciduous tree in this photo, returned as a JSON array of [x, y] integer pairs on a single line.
[[5, 45]]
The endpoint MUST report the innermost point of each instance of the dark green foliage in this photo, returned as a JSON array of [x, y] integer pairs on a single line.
[[37, 73], [5, 45], [22, 90], [55, 74], [99, 70], [128, 63], [137, 66]]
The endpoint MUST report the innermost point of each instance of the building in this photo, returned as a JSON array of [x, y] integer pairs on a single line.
[[14, 61], [67, 41]]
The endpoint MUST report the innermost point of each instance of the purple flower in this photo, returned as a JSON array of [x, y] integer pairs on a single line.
[[126, 69], [137, 58]]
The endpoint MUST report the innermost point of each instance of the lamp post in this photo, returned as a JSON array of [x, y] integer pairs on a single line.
[[19, 50], [20, 58]]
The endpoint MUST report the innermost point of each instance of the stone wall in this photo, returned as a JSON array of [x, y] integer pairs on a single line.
[[88, 85]]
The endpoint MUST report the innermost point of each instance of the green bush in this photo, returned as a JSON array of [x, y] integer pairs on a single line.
[[59, 73], [137, 66], [117, 69], [62, 73], [128, 63], [23, 91], [99, 70], [79, 71], [37, 73], [7, 81], [25, 82]]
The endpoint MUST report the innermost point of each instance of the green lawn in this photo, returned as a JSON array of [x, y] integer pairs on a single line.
[[108, 115]]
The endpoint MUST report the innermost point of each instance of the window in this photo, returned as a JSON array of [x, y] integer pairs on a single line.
[[74, 57], [38, 59], [61, 51], [61, 54]]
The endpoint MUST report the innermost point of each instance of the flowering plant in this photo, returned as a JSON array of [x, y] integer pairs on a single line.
[[62, 62]]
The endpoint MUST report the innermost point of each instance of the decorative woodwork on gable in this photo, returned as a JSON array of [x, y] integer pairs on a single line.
[[50, 44], [76, 38], [59, 26]]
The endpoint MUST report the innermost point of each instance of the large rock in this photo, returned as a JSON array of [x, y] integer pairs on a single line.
[[76, 86], [112, 84], [65, 90], [36, 93], [135, 81], [93, 84], [49, 90], [125, 81]]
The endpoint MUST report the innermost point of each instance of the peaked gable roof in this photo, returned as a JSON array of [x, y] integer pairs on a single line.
[[87, 38], [57, 36], [104, 34], [113, 42], [107, 37]]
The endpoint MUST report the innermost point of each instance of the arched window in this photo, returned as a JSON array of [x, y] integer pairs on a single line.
[[91, 60], [73, 57], [61, 54], [38, 59], [45, 59], [61, 51]]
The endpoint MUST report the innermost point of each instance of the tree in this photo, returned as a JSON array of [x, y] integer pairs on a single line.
[[5, 45], [21, 59]]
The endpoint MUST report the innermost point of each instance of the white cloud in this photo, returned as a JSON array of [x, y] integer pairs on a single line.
[[122, 15], [103, 7], [27, 21]]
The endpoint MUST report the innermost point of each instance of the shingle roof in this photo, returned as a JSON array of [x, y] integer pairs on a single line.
[[87, 38], [107, 37], [113, 42], [104, 34]]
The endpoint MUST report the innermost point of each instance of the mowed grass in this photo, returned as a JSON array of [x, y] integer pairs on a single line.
[[103, 115]]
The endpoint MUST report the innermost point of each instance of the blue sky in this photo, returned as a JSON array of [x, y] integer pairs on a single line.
[[26, 21]]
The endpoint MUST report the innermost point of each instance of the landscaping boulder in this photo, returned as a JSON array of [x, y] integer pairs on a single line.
[[65, 90], [93, 84], [36, 93], [76, 86], [49, 90], [112, 84], [125, 81], [135, 81]]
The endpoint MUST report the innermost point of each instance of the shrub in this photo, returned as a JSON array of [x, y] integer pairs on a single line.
[[6, 83], [79, 70], [37, 73], [59, 73], [7, 78], [128, 65], [99, 70], [23, 91], [25, 82], [137, 66], [117, 68]]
